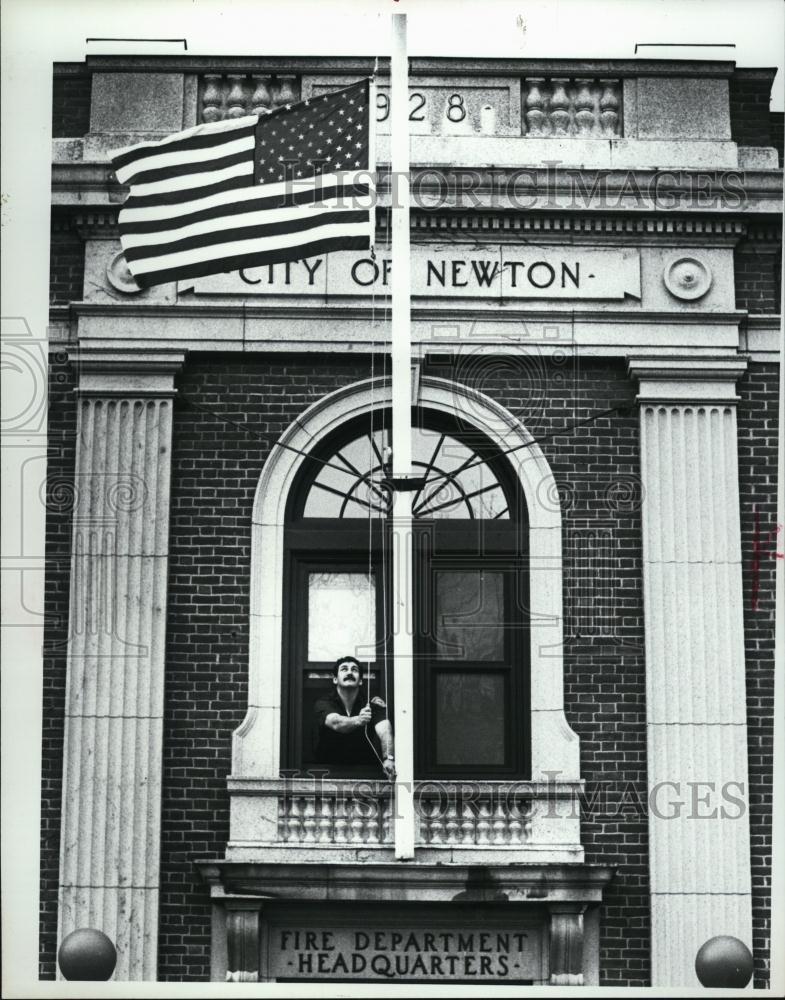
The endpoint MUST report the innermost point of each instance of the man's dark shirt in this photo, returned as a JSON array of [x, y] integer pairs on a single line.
[[345, 748]]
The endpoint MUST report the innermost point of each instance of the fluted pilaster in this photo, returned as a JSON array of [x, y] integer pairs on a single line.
[[696, 711], [109, 852]]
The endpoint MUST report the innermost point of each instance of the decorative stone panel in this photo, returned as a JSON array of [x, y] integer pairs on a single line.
[[585, 107], [232, 95]]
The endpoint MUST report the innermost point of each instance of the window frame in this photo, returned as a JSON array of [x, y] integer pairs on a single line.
[[331, 544]]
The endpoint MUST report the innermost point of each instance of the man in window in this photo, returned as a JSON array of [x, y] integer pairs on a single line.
[[350, 732]]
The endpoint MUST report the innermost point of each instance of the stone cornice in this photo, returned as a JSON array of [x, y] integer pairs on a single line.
[[426, 882], [500, 226], [418, 66], [240, 310], [526, 190]]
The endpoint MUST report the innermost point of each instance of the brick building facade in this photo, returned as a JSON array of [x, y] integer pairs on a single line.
[[647, 410]]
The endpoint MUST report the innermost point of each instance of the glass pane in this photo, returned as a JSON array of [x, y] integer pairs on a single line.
[[341, 616], [469, 615], [473, 492], [470, 718]]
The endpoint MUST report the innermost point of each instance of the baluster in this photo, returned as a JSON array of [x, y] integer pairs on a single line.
[[483, 823], [285, 94], [211, 98], [468, 824], [435, 823], [452, 826], [293, 820], [356, 823], [387, 829], [535, 105], [235, 101], [499, 824], [309, 821], [372, 823], [325, 825], [514, 824], [584, 108], [261, 100], [560, 104], [609, 107], [340, 825], [282, 831]]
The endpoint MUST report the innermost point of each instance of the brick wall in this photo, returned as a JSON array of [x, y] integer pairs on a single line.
[[757, 419], [215, 471], [776, 129], [216, 467], [71, 91], [757, 263], [66, 261], [749, 110], [61, 453], [597, 472]]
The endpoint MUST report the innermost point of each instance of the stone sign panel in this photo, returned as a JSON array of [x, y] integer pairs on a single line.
[[443, 105], [438, 271], [510, 954]]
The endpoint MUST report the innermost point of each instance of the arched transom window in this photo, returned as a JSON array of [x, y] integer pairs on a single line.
[[459, 482]]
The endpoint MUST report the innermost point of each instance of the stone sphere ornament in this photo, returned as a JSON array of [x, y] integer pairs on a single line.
[[88, 955], [723, 962]]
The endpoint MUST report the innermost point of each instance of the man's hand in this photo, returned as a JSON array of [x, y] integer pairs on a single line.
[[389, 767], [364, 717]]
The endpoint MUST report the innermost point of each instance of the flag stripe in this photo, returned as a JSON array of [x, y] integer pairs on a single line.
[[252, 216], [200, 137], [162, 205], [198, 179], [238, 248], [201, 269], [242, 234], [235, 184], [177, 164], [159, 220]]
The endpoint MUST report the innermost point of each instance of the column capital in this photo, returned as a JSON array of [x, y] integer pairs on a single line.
[[686, 381], [118, 372]]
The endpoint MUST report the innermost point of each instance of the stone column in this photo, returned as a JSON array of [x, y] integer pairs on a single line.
[[699, 846], [110, 831]]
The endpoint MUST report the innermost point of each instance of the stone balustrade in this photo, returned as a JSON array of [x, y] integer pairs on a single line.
[[360, 813], [583, 107], [232, 95]]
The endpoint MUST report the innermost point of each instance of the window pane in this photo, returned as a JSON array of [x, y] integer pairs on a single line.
[[469, 615], [459, 483], [341, 616], [470, 718]]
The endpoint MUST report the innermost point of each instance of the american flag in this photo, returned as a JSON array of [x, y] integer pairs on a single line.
[[292, 183]]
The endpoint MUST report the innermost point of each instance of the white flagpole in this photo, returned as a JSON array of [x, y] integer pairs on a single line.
[[401, 444]]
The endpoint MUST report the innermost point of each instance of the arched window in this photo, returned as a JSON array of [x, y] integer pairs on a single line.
[[471, 594]]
